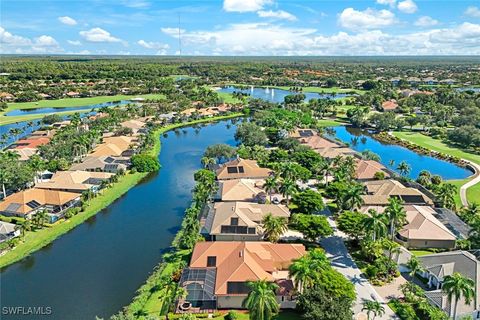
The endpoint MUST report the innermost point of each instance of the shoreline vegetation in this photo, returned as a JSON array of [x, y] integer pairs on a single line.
[[62, 103], [35, 240]]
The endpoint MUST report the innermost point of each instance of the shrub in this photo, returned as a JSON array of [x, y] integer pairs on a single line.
[[231, 315], [371, 271], [379, 175], [145, 163]]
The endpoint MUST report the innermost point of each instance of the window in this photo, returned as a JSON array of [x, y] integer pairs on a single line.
[[237, 288], [232, 170], [234, 221], [240, 169], [211, 261]]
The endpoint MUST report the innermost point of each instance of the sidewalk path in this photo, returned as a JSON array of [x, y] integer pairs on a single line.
[[342, 262], [472, 182]]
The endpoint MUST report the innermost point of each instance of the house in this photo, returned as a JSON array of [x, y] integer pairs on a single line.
[[8, 231], [447, 81], [247, 190], [104, 164], [303, 133], [239, 221], [389, 105], [379, 191], [316, 142], [25, 153], [395, 81], [366, 169], [28, 202], [439, 265], [5, 96], [73, 94], [414, 80], [76, 181], [331, 153], [136, 126], [114, 146], [31, 143], [430, 81], [424, 230], [241, 169], [219, 272]]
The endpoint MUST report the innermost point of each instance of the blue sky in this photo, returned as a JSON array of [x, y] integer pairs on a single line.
[[241, 27]]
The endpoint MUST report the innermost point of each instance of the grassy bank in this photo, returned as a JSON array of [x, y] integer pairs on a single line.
[[35, 240], [473, 193], [62, 103]]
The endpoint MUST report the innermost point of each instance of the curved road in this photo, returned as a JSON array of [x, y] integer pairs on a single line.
[[472, 182]]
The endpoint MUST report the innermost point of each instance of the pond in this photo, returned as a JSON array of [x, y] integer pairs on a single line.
[[277, 95], [361, 140], [96, 268], [20, 112]]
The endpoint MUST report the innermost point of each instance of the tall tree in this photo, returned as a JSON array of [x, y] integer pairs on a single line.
[[457, 286], [374, 224], [396, 214], [261, 301], [375, 307], [274, 227]]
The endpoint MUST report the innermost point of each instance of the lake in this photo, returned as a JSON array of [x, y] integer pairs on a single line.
[[277, 95], [20, 112], [387, 152], [96, 268]]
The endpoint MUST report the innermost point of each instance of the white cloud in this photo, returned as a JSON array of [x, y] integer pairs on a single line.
[[162, 52], [11, 43], [152, 45], [74, 42], [245, 5], [391, 3], [473, 12], [271, 39], [139, 4], [172, 31], [368, 19], [98, 35], [426, 21], [407, 6], [280, 14], [67, 20]]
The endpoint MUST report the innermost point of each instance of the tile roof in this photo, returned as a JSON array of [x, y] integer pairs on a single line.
[[74, 180], [245, 261], [423, 225], [333, 152], [366, 169], [389, 105], [240, 189], [113, 146], [242, 168], [317, 142], [92, 163], [379, 191], [249, 215], [31, 142], [19, 202]]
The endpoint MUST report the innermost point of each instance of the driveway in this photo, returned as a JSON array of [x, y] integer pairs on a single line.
[[342, 262]]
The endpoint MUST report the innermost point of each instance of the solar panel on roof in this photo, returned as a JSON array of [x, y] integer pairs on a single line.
[[232, 170], [109, 160], [305, 133], [412, 198], [33, 204], [13, 207]]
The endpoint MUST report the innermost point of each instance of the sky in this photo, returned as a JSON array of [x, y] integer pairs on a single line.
[[240, 27]]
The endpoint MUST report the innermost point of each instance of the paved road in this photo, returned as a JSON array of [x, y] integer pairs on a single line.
[[343, 262], [475, 180]]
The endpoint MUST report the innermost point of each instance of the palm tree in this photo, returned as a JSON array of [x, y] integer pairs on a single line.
[[353, 197], [403, 168], [305, 270], [207, 162], [424, 177], [274, 227], [261, 301], [375, 224], [414, 265], [391, 246], [396, 214], [270, 186], [446, 195], [374, 307], [37, 164], [288, 187], [470, 213], [456, 286], [40, 218]]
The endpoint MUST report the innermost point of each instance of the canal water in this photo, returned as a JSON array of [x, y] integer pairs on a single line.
[[96, 268], [361, 140], [277, 95], [20, 112]]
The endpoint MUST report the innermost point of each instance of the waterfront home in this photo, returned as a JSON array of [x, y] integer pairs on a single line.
[[110, 164], [379, 191], [76, 181], [25, 153], [390, 105], [5, 96], [239, 221], [247, 190], [316, 142], [439, 265], [31, 143], [219, 272], [333, 152], [26, 203], [136, 126], [242, 169], [366, 169], [115, 146], [8, 231], [73, 94], [422, 228]]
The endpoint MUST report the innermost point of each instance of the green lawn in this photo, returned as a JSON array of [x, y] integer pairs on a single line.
[[473, 193], [419, 253], [64, 103], [227, 97]]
